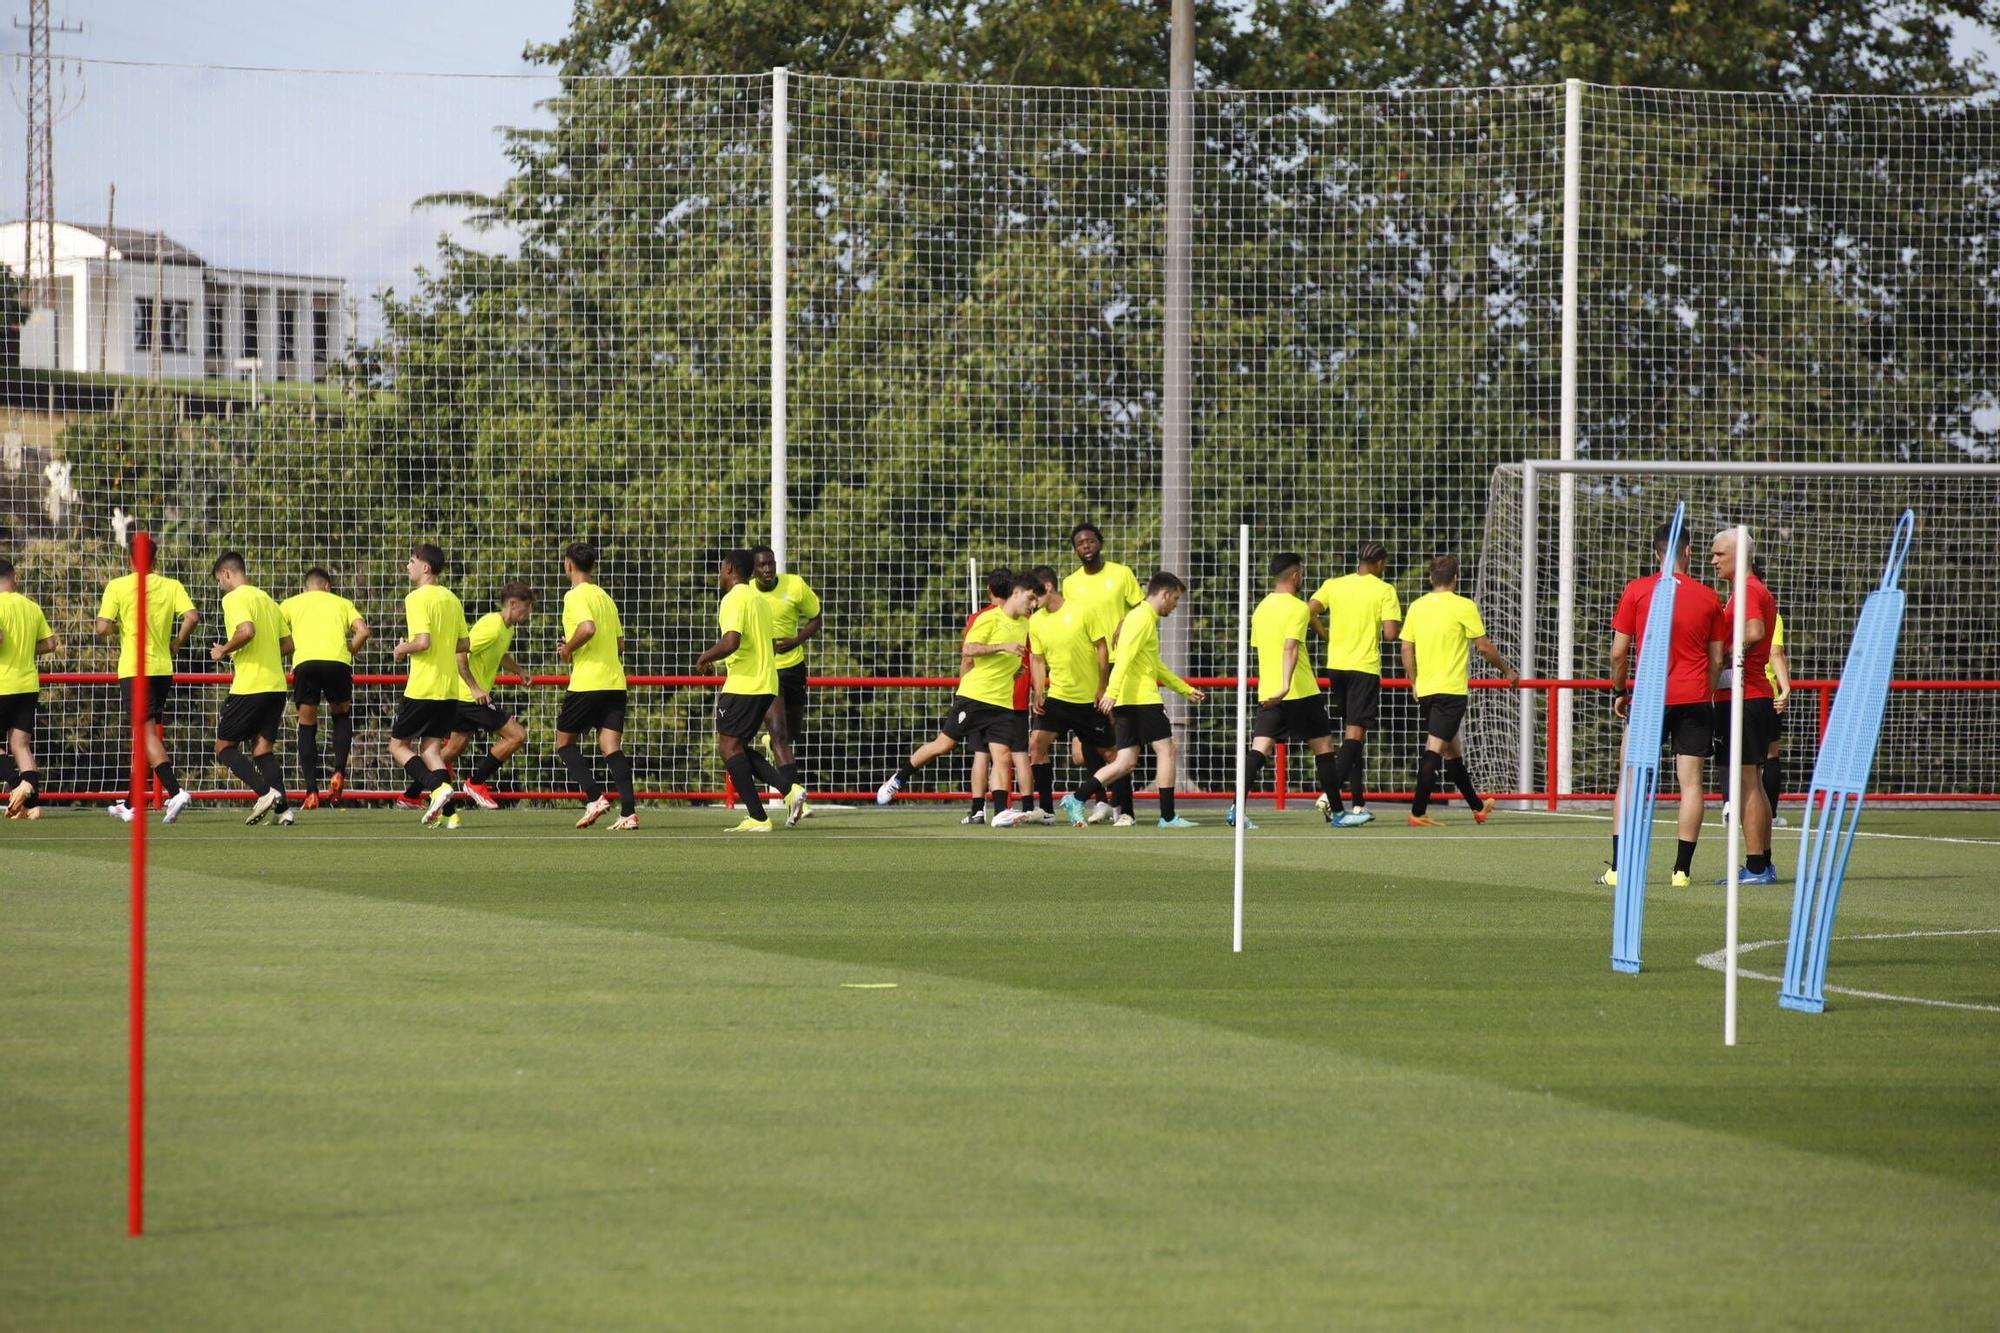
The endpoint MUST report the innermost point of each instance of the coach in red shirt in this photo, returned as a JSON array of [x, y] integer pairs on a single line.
[[1694, 662], [1760, 712]]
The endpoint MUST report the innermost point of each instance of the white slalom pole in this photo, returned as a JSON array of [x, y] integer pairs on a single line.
[[1242, 713], [972, 581], [780, 178], [1735, 784]]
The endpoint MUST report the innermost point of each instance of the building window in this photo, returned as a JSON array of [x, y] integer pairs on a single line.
[[288, 320], [322, 334], [253, 318], [217, 345], [173, 321]]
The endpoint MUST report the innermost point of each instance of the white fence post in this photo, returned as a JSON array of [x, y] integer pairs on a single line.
[[780, 174]]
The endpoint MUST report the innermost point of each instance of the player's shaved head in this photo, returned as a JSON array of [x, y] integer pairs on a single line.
[[318, 578], [229, 560]]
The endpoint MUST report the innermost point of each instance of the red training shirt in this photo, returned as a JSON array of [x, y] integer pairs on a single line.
[[1023, 682], [1697, 623], [1758, 604]]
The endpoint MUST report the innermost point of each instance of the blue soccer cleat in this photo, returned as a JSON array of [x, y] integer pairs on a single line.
[[1768, 875], [1073, 810], [1229, 818], [1178, 821], [1353, 818]]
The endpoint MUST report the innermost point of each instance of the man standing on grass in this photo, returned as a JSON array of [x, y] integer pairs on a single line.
[[439, 651], [1356, 614], [1288, 697], [170, 619], [327, 631], [749, 690], [1693, 644], [491, 641], [1132, 701], [24, 636], [796, 616], [1069, 661], [1440, 627], [1760, 714], [1097, 580], [255, 710], [999, 585], [593, 643]]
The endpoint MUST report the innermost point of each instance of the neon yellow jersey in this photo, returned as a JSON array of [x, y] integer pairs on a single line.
[[1067, 640], [753, 668], [1356, 605], [320, 622], [1443, 625], [166, 602], [1777, 641], [596, 665], [491, 638], [792, 602], [24, 626], [259, 664], [435, 610], [990, 679], [1138, 673], [1113, 585], [1278, 618]]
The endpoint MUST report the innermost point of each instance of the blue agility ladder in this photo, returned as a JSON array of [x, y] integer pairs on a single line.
[[1840, 779], [1640, 781]]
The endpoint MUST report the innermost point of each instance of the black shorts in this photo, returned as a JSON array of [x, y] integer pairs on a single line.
[[424, 719], [488, 718], [970, 722], [1017, 730], [1782, 717], [1690, 729], [1443, 714], [1293, 719], [17, 712], [792, 692], [248, 716], [1134, 725], [592, 710], [158, 690], [1760, 728], [313, 681], [1356, 696], [742, 715], [1063, 718]]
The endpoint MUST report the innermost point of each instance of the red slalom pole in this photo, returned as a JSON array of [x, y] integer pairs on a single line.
[[135, 1187]]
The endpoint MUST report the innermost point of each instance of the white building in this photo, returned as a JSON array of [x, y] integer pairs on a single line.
[[120, 290]]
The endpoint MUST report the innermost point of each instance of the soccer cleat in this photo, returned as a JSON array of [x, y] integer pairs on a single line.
[[750, 825], [440, 797], [1229, 818], [796, 807], [1178, 821], [335, 785], [119, 811], [887, 791], [449, 823], [1487, 807], [624, 823], [1425, 821], [1352, 819], [1768, 875], [1609, 879], [17, 799], [287, 817], [1124, 821], [595, 811], [32, 812], [262, 806], [973, 817], [1682, 879], [480, 795], [1323, 805], [176, 803], [312, 800], [1009, 818], [1102, 812], [1779, 821], [1073, 809], [1045, 816], [409, 802]]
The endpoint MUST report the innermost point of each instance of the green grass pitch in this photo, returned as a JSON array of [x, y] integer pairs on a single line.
[[525, 1077]]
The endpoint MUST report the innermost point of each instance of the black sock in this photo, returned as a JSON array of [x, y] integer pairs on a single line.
[[977, 805], [1026, 800], [413, 791], [765, 771], [1461, 778], [1121, 794], [788, 776], [487, 768], [274, 774], [1773, 773], [904, 773], [1346, 762], [1166, 802], [1428, 764], [744, 778], [1326, 771], [309, 755], [170, 782], [1683, 855], [620, 765], [1614, 849], [580, 774], [1757, 862], [994, 801], [1089, 790], [10, 772], [1357, 774], [1253, 768], [343, 742], [420, 774], [1045, 783], [33, 778], [441, 777], [246, 772]]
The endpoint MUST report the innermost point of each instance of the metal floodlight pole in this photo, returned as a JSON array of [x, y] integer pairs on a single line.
[[1176, 405], [780, 243]]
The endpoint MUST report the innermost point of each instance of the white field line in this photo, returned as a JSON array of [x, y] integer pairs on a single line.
[[1714, 963]]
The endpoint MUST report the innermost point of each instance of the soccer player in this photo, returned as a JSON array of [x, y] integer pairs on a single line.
[[255, 710], [1778, 672], [492, 641], [1356, 614], [1760, 714], [24, 636], [439, 649], [593, 643], [1132, 701], [1069, 661], [999, 585], [1288, 698], [749, 691], [982, 711], [1099, 580], [327, 631], [1694, 661], [796, 616], [167, 602], [1435, 636]]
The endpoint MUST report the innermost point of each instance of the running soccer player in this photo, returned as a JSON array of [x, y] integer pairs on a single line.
[[593, 643], [749, 690], [1694, 661], [1440, 627], [1099, 580], [170, 619], [1760, 714], [1069, 646], [492, 641], [1288, 698], [439, 650], [255, 710], [999, 584], [1356, 614], [982, 711], [1132, 701], [24, 636], [327, 631], [796, 616]]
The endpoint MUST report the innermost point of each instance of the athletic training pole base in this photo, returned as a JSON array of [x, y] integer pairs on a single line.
[[1645, 718]]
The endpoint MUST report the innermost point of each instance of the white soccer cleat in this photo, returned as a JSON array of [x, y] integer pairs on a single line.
[[1322, 804], [887, 791], [796, 807], [1045, 817], [287, 817], [1100, 811], [440, 797], [973, 817], [262, 806], [1008, 818], [119, 811], [176, 803], [595, 811], [17, 799], [1124, 821], [625, 824]]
